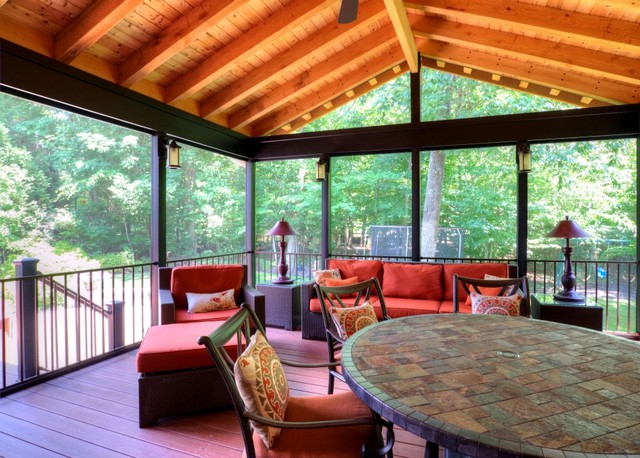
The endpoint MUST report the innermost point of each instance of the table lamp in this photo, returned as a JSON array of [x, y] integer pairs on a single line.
[[282, 228], [568, 229]]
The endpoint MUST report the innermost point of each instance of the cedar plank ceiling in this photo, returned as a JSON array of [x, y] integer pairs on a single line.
[[263, 67]]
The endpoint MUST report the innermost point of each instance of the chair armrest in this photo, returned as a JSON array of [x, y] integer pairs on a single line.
[[167, 307], [256, 300], [307, 292]]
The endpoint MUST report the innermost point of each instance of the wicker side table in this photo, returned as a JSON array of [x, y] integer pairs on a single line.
[[585, 314], [282, 305]]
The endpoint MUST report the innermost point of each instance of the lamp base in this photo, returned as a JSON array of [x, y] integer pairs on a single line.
[[282, 281], [568, 296]]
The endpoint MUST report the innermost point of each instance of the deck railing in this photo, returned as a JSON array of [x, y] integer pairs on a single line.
[[55, 323]]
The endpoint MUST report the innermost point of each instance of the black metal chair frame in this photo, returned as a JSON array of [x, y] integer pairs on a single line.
[[335, 296], [240, 327], [508, 286]]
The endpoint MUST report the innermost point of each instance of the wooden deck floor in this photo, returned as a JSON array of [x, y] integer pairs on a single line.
[[93, 412]]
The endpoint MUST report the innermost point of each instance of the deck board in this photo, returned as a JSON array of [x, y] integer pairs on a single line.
[[94, 412]]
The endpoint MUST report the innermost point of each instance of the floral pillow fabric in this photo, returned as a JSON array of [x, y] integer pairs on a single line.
[[262, 385], [320, 276], [495, 305], [349, 320], [210, 302]]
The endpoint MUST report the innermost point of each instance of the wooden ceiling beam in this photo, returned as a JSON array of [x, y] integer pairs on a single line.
[[534, 50], [90, 26], [175, 38], [615, 92], [328, 69], [514, 84], [27, 37], [226, 59], [525, 16], [321, 40], [400, 21], [288, 114], [343, 99]]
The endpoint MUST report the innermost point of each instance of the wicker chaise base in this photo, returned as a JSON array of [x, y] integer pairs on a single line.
[[180, 392]]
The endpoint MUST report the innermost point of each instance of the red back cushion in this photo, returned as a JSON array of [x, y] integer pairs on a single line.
[[418, 281], [205, 279], [363, 269], [472, 270]]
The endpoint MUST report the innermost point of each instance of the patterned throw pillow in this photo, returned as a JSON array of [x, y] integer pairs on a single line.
[[321, 276], [262, 385], [210, 302], [349, 320], [495, 305]]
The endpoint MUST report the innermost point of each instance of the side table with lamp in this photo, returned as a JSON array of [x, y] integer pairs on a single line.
[[567, 306], [282, 296]]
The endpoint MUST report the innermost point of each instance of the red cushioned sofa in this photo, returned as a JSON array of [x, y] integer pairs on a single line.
[[409, 288]]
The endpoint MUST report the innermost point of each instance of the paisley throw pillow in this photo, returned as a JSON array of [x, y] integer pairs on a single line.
[[262, 385], [495, 305], [349, 320]]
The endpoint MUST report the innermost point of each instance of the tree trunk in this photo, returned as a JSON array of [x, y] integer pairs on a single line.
[[431, 209]]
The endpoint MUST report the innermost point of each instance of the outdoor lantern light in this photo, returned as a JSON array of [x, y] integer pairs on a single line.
[[282, 228], [523, 156], [568, 229], [321, 169], [173, 155]]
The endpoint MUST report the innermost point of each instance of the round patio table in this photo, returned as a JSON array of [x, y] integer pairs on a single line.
[[482, 385]]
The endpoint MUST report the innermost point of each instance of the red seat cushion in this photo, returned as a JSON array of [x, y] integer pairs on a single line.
[[184, 316], [403, 306], [175, 346], [205, 279], [312, 443]]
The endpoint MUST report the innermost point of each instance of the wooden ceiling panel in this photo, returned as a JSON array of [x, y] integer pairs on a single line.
[[271, 66]]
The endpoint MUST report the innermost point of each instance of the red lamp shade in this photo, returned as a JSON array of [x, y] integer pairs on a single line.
[[281, 229], [568, 229]]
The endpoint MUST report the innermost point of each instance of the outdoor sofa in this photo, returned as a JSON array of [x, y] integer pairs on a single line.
[[409, 288]]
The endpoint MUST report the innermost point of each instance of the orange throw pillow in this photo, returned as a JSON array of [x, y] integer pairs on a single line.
[[340, 282], [330, 282]]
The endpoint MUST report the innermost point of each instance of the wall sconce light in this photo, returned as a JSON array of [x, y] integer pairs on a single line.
[[523, 157], [568, 229], [282, 228], [173, 155], [321, 169]]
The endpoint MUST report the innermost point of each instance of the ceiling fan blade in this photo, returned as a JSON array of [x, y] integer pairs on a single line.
[[348, 11]]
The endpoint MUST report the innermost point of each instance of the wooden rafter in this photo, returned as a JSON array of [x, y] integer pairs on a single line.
[[400, 21], [525, 16], [225, 59], [315, 43], [332, 66], [343, 99], [614, 92], [512, 83], [90, 26], [178, 35], [291, 112], [534, 50]]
